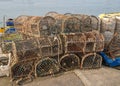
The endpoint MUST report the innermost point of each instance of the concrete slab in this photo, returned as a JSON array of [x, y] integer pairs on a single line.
[[96, 77]]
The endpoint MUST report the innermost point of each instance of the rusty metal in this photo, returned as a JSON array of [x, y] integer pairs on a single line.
[[69, 62], [46, 66], [91, 60]]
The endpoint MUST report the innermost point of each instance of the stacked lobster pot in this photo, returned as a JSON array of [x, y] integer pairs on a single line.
[[24, 55], [108, 25], [114, 46], [50, 48], [88, 23]]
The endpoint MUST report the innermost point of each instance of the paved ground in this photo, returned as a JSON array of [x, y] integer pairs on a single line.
[[97, 77]]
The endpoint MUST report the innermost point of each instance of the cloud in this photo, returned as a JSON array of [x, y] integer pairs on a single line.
[[5, 0]]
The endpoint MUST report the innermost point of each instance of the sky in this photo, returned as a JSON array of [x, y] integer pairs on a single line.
[[14, 8]]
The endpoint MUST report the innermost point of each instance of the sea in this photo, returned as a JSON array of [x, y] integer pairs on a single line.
[[15, 8]]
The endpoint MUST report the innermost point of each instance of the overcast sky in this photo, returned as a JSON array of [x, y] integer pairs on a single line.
[[14, 8]]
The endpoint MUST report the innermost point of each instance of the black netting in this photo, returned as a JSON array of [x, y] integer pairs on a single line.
[[46, 66]]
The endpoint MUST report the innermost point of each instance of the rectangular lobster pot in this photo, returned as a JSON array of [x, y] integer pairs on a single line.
[[25, 49], [90, 42], [74, 42], [50, 46]]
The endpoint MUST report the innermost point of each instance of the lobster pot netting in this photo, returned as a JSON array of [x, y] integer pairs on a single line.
[[74, 43], [22, 69], [69, 62], [19, 23], [72, 25], [99, 41], [50, 46], [32, 26], [47, 25], [91, 60], [46, 66], [118, 24], [108, 26], [6, 47], [26, 49], [90, 42], [114, 47]]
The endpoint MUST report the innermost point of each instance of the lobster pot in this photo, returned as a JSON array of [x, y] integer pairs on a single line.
[[74, 43], [19, 23], [32, 26], [46, 66], [47, 25], [107, 28], [22, 69], [99, 41], [91, 60], [72, 25], [86, 24], [114, 47], [95, 23], [69, 62], [90, 42], [50, 46], [117, 24], [6, 47], [24, 50], [51, 13]]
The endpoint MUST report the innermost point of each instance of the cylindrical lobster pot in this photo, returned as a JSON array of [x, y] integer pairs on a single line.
[[108, 25], [19, 23], [32, 26], [69, 62], [90, 42], [47, 26], [91, 60], [22, 69], [25, 50], [74, 43], [46, 66]]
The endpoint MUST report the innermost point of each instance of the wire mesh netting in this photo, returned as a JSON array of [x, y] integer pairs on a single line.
[[47, 26], [22, 69], [114, 47], [69, 62], [46, 66], [25, 49], [74, 42], [90, 42], [91, 60], [19, 22]]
